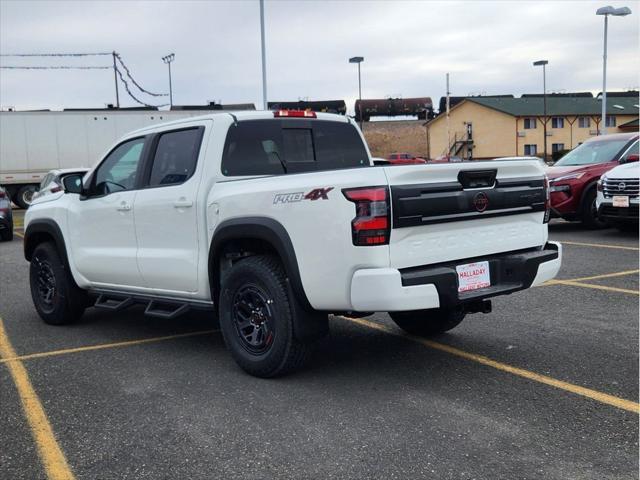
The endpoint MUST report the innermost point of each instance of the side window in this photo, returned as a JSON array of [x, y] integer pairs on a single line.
[[46, 180], [175, 158], [118, 171]]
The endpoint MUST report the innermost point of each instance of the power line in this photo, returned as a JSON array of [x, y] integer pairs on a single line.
[[53, 54], [126, 87], [66, 67], [117, 55]]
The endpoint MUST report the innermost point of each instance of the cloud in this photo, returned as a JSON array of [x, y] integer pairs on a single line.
[[408, 47]]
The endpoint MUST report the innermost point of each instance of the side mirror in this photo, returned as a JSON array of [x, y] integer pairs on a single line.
[[73, 183], [631, 158]]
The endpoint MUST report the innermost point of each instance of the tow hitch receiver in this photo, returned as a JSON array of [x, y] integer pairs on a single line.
[[479, 306]]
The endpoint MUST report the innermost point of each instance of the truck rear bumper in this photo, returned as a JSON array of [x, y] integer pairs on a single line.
[[433, 286]]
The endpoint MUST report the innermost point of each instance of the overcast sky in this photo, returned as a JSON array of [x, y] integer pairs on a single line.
[[408, 46]]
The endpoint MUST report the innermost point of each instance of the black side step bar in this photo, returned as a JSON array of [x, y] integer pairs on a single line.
[[165, 310], [114, 304]]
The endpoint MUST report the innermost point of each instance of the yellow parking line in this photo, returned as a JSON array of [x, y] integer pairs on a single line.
[[606, 275], [53, 459], [591, 285], [601, 397], [18, 234], [600, 245], [9, 359]]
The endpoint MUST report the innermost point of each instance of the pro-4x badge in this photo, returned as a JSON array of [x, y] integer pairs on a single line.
[[318, 193], [315, 194]]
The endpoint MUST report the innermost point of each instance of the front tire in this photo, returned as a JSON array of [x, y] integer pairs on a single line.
[[256, 318], [590, 216], [425, 323], [56, 297]]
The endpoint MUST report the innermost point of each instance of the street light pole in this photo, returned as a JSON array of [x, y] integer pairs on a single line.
[[264, 58], [603, 120], [359, 60], [168, 59], [544, 100], [606, 11]]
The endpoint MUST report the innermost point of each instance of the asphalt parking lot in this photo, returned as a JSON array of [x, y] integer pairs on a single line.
[[545, 387]]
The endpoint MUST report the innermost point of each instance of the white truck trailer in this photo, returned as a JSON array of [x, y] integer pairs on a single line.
[[34, 142]]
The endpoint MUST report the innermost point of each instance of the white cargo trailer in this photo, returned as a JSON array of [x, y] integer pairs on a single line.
[[33, 143]]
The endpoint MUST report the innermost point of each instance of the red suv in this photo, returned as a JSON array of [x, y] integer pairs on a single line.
[[572, 180]]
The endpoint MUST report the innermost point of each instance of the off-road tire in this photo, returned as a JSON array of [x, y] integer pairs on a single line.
[[66, 302], [590, 217], [285, 353], [425, 323]]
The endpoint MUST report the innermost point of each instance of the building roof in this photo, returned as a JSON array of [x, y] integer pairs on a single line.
[[534, 106], [566, 94], [632, 124]]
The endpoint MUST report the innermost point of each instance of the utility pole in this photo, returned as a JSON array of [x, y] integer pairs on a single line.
[[168, 59], [115, 78], [264, 58], [448, 129]]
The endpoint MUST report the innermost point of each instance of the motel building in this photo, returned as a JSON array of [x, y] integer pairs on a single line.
[[490, 127]]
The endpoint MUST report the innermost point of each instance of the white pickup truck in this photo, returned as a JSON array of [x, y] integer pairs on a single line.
[[275, 220]]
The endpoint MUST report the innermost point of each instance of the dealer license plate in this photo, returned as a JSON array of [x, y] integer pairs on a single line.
[[473, 276], [620, 201]]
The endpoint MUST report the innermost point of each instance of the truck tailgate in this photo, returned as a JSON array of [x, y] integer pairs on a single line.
[[467, 210]]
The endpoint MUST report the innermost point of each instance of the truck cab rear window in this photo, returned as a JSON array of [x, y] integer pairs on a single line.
[[270, 147]]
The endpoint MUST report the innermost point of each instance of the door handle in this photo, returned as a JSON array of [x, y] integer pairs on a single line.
[[124, 207], [182, 203]]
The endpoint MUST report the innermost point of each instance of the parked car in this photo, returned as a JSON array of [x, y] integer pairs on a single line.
[[274, 227], [617, 199], [573, 178], [53, 182], [6, 216], [404, 159]]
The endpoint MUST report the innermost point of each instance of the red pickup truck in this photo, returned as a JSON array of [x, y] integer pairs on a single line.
[[572, 180]]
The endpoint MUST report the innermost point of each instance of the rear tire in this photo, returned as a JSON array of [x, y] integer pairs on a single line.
[[256, 318], [590, 217], [425, 323], [24, 196], [56, 297]]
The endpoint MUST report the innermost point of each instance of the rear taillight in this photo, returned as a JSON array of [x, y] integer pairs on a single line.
[[372, 224], [294, 113], [547, 201]]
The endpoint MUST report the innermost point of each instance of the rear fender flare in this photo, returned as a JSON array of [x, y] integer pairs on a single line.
[[264, 229]]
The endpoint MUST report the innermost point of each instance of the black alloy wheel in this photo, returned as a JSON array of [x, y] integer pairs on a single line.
[[253, 318], [47, 291]]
